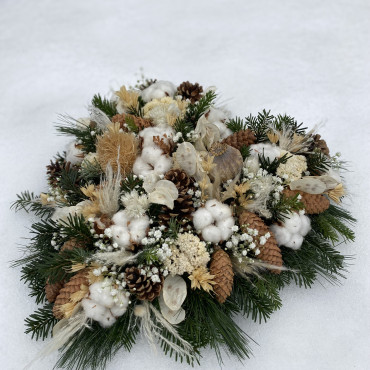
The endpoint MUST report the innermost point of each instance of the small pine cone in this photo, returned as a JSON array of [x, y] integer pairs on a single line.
[[222, 269], [73, 286], [320, 144], [240, 139], [183, 205], [269, 252], [71, 244], [139, 122], [190, 91], [142, 285], [313, 203], [53, 171], [52, 290]]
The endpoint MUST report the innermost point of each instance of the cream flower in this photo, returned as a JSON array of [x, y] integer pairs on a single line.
[[292, 169]]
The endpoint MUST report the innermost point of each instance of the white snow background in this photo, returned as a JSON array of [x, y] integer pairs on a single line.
[[310, 59]]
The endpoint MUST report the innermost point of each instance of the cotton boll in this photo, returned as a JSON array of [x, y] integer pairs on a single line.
[[282, 235], [252, 164], [305, 225], [107, 320], [295, 242], [74, 155], [218, 210], [215, 115], [202, 218], [138, 228], [268, 150], [120, 218], [225, 227], [151, 154], [158, 90], [163, 164], [98, 313], [141, 167], [293, 223], [120, 235], [101, 295], [211, 234], [118, 311]]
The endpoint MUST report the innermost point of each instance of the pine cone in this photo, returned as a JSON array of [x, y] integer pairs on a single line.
[[270, 252], [142, 285], [52, 290], [139, 122], [240, 139], [73, 286], [71, 244], [190, 91], [222, 269], [313, 203], [320, 144], [183, 205]]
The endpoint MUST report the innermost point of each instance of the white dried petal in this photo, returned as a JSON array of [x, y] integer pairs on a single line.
[[174, 292]]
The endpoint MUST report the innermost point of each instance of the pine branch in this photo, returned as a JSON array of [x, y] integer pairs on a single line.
[[236, 124], [77, 228], [317, 163], [285, 123], [260, 125], [106, 106], [94, 348], [258, 298], [41, 322], [196, 110], [131, 182], [183, 126], [137, 111], [29, 202], [131, 124], [91, 171], [284, 206], [245, 151]]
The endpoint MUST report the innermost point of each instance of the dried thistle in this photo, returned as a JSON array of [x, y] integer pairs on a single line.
[[117, 148], [201, 279]]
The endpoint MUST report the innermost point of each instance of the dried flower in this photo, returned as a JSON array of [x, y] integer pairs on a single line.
[[201, 279]]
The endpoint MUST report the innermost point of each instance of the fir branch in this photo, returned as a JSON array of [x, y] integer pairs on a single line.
[[245, 151], [257, 298], [196, 110], [285, 123], [236, 124], [317, 162], [173, 228], [41, 322], [260, 125], [131, 124], [130, 183], [149, 255], [106, 106], [281, 208], [29, 202], [91, 171], [271, 167], [70, 183], [76, 227], [183, 126]]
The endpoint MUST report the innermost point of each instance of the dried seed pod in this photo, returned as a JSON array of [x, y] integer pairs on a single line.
[[228, 161]]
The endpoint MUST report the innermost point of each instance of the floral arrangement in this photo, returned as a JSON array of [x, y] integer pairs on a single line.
[[166, 217]]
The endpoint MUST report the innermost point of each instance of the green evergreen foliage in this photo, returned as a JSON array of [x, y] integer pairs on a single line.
[[131, 124], [29, 202], [130, 183], [245, 151], [91, 172], [137, 111], [86, 136], [271, 167], [281, 208], [196, 110], [236, 124], [94, 347], [260, 124], [317, 162], [105, 105], [41, 322]]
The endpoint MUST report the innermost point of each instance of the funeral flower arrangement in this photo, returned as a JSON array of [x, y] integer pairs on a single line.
[[165, 217]]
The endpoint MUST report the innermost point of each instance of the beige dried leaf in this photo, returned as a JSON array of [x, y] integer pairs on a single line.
[[336, 193], [201, 279]]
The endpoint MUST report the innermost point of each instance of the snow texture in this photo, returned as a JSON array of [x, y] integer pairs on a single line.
[[308, 58]]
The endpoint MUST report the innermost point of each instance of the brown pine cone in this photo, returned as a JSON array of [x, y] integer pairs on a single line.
[[240, 139], [313, 203], [269, 252], [52, 290], [183, 205], [139, 122], [190, 91], [320, 144], [222, 269], [73, 286], [142, 285], [71, 244]]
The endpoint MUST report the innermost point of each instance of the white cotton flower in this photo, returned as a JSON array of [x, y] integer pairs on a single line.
[[121, 236], [163, 164], [212, 234], [295, 241], [141, 167], [305, 225], [135, 204], [281, 234], [98, 313], [202, 218], [158, 90], [101, 295], [226, 227], [74, 154], [217, 115], [293, 223], [151, 154], [218, 210], [138, 228], [120, 218], [267, 150]]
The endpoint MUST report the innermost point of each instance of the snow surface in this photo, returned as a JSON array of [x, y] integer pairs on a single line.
[[307, 58]]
